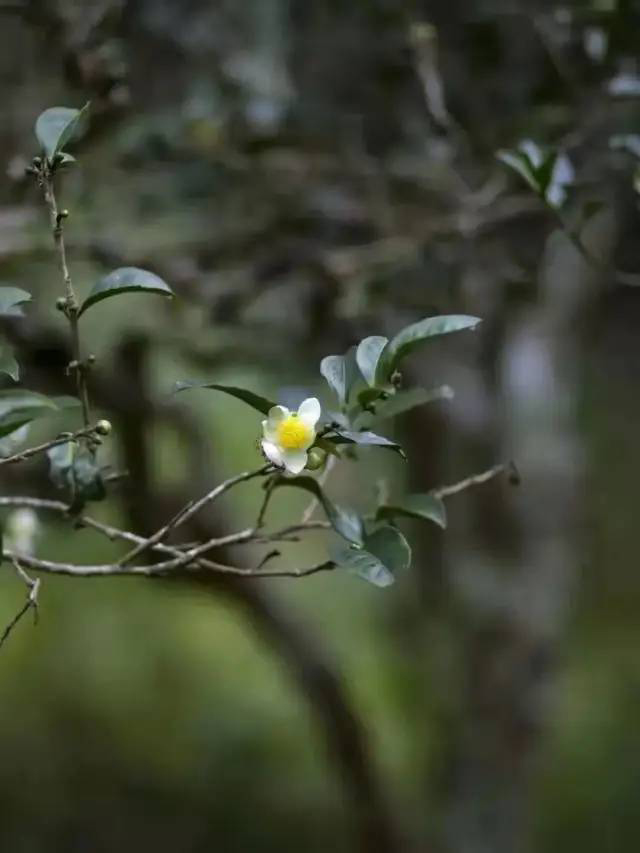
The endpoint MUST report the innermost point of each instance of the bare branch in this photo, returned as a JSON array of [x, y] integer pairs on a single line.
[[478, 479], [31, 603], [190, 510], [41, 448]]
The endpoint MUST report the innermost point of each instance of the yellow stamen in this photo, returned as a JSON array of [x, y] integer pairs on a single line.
[[294, 434]]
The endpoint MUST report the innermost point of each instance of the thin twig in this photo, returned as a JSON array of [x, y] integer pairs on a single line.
[[33, 586], [188, 511], [71, 306], [478, 479], [41, 448]]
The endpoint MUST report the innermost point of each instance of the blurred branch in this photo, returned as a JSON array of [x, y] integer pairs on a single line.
[[31, 603]]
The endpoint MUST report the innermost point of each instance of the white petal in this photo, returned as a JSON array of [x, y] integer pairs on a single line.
[[275, 415], [272, 453], [309, 411], [294, 460]]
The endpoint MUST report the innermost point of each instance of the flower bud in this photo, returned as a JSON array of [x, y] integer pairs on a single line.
[[103, 427], [61, 303], [316, 459]]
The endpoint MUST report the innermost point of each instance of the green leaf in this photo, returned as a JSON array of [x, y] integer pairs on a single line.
[[8, 364], [520, 163], [57, 126], [61, 462], [341, 373], [426, 507], [74, 467], [10, 300], [125, 280], [255, 400], [344, 521], [385, 551], [366, 439], [368, 355], [404, 401], [19, 407], [412, 336]]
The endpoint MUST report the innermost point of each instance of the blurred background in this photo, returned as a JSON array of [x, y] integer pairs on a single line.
[[305, 173]]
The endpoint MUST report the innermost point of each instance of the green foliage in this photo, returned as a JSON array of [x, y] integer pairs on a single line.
[[254, 400], [426, 507], [125, 280], [8, 365], [341, 373], [344, 521], [384, 552], [73, 466], [11, 298], [365, 439], [57, 126], [411, 337], [546, 171], [19, 407], [368, 356]]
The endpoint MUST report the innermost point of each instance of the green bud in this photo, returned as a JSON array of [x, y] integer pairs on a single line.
[[61, 303], [317, 458], [103, 427]]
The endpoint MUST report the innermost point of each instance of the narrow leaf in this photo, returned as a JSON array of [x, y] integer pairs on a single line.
[[254, 400], [426, 507], [344, 521], [412, 336], [368, 355], [520, 163], [366, 439], [125, 280]]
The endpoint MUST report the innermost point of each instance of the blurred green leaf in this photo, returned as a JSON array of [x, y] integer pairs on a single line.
[[368, 355], [8, 364], [414, 335], [341, 373], [19, 407], [74, 467], [57, 126], [344, 521], [10, 300], [254, 400], [125, 280], [426, 507], [385, 551]]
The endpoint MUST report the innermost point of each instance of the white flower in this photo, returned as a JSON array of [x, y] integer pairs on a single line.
[[288, 435]]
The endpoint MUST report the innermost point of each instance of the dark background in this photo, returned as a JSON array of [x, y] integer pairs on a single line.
[[305, 173]]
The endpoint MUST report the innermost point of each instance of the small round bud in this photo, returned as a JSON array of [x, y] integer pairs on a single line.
[[63, 213], [316, 459], [61, 303], [103, 427], [37, 161]]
